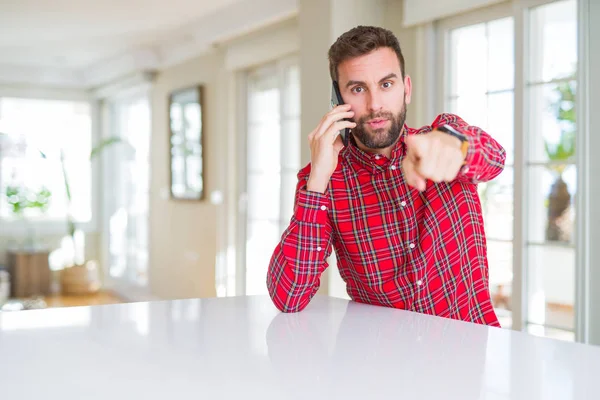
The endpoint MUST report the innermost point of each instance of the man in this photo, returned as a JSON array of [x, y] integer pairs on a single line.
[[399, 205]]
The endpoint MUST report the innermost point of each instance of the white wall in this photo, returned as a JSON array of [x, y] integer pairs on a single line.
[[423, 11], [182, 233]]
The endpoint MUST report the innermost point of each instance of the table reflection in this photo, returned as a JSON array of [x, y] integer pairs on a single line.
[[378, 353]]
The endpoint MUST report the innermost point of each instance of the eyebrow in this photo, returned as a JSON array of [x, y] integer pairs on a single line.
[[385, 78]]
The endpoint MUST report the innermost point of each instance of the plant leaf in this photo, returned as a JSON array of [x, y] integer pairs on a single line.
[[103, 144]]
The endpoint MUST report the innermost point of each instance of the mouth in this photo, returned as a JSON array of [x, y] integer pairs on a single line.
[[377, 123]]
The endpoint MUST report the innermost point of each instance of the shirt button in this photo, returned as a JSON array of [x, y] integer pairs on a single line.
[[412, 245], [393, 167], [319, 248], [403, 204], [323, 208], [377, 157], [465, 170], [419, 282]]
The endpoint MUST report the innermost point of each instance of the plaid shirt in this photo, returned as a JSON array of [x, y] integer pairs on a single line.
[[395, 247]]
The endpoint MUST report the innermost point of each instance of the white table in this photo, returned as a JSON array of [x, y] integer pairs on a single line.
[[243, 348]]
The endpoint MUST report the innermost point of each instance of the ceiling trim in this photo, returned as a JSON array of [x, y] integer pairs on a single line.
[[126, 64], [41, 76], [192, 41], [123, 85]]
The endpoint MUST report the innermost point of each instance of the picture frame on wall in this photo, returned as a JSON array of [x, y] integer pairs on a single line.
[[186, 144]]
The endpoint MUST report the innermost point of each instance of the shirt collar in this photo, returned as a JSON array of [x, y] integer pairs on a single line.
[[376, 163]]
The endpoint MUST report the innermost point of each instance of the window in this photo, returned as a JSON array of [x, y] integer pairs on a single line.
[[126, 202], [273, 162], [52, 127], [481, 91], [484, 82], [551, 174]]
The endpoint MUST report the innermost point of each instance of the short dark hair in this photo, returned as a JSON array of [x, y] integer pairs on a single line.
[[359, 41]]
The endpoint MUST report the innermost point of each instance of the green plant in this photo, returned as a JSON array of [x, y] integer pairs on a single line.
[[565, 110], [21, 198], [561, 153], [95, 152]]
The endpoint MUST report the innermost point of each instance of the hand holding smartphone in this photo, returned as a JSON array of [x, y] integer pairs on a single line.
[[336, 100], [324, 144]]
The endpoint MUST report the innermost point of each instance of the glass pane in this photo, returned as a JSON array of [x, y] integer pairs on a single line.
[[496, 198], [273, 154], [262, 237], [291, 144], [553, 41], [80, 184], [192, 122], [468, 71], [264, 146], [128, 204], [501, 55], [551, 204], [289, 181], [450, 105], [291, 104], [53, 127], [263, 99], [26, 178], [552, 122], [500, 121], [543, 331], [551, 286], [500, 258], [472, 109], [264, 195]]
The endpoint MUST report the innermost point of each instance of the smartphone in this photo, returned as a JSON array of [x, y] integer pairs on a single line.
[[336, 100]]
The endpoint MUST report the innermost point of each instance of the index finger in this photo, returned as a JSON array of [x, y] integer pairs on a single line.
[[417, 145]]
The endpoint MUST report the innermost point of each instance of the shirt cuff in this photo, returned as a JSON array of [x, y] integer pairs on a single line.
[[312, 207], [473, 157]]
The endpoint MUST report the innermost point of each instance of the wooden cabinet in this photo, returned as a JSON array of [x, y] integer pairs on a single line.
[[29, 273]]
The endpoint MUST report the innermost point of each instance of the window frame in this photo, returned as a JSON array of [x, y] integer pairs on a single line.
[[519, 11], [52, 227], [124, 287], [278, 66]]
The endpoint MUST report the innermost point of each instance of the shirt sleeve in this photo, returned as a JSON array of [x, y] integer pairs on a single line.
[[485, 156], [299, 259]]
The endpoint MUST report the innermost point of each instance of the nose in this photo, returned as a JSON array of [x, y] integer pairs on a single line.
[[375, 101]]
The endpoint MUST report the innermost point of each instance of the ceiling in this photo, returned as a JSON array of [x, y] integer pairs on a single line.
[[84, 43]]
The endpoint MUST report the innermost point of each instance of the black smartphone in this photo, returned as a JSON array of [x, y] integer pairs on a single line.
[[336, 100]]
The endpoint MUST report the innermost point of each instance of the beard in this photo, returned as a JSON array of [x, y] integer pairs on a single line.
[[382, 137]]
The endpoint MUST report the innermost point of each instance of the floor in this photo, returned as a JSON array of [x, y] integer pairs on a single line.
[[99, 298], [58, 300]]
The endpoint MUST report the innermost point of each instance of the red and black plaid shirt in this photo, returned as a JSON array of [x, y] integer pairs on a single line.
[[395, 246]]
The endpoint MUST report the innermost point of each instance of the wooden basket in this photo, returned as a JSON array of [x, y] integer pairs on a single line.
[[80, 279]]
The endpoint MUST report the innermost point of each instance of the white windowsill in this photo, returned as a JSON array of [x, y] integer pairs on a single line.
[[19, 229]]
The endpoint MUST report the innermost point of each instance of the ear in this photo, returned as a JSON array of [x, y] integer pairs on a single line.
[[407, 88]]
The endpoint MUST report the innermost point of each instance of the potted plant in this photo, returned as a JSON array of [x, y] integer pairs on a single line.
[[21, 199], [560, 154], [28, 259], [80, 277]]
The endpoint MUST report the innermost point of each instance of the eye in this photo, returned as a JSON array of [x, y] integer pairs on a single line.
[[387, 85], [357, 89]]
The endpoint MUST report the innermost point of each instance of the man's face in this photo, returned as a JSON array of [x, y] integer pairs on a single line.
[[372, 84]]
